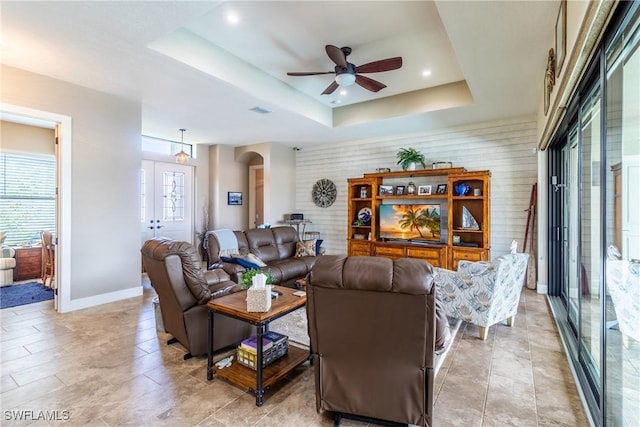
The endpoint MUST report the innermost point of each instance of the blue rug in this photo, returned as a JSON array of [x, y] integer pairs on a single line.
[[28, 293]]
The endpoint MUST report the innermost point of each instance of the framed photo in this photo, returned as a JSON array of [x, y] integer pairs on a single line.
[[386, 190], [441, 189], [234, 198], [399, 190], [424, 190], [561, 35]]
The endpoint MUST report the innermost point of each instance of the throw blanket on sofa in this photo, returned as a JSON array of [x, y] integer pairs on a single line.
[[227, 242]]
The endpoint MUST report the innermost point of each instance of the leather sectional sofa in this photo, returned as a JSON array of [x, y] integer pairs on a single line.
[[276, 247]]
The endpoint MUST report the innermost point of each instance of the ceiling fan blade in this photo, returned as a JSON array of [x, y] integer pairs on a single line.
[[310, 73], [381, 65], [369, 84], [330, 89], [336, 55]]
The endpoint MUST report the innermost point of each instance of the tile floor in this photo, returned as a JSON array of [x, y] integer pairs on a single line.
[[107, 366]]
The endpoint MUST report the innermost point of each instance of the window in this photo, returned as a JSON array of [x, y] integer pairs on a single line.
[[27, 196], [164, 146]]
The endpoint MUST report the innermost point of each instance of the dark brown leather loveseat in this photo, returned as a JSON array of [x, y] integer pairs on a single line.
[[275, 246], [184, 290], [374, 333]]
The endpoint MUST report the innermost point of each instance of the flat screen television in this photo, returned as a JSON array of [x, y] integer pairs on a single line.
[[420, 222]]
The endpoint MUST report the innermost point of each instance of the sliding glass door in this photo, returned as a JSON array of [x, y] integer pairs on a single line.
[[594, 234]]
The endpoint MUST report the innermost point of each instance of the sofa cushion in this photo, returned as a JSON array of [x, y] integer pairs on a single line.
[[253, 259], [291, 268], [306, 248], [286, 238], [262, 244]]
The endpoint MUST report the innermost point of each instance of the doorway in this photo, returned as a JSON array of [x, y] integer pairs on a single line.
[[63, 129], [166, 201]]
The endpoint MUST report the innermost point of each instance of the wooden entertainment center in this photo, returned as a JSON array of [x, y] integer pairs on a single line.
[[454, 242]]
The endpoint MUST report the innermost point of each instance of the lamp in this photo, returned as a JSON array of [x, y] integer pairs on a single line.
[[345, 79], [182, 157]]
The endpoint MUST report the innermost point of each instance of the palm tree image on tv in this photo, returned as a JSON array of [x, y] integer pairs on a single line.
[[410, 221]]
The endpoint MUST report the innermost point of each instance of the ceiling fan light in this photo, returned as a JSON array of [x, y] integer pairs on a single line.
[[345, 79]]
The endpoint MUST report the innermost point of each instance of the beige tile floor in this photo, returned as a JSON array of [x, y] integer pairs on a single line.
[[107, 366]]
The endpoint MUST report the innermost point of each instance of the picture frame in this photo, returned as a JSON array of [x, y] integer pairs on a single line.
[[400, 190], [561, 36], [234, 198], [424, 190], [441, 189], [386, 190]]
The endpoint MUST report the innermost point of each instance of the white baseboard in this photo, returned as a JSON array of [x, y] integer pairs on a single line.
[[542, 289], [93, 301]]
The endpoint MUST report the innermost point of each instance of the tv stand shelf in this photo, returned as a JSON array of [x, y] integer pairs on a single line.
[[455, 213]]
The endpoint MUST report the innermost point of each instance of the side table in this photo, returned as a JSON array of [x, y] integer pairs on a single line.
[[235, 305]]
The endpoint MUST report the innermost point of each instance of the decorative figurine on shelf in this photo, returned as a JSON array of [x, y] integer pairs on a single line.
[[411, 188], [363, 192], [468, 221]]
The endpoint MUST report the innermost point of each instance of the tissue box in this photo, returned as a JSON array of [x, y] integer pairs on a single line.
[[259, 299]]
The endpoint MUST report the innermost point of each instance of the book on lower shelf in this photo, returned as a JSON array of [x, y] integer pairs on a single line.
[[274, 337], [251, 343]]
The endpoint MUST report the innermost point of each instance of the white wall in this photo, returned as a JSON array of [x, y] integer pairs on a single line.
[[225, 174], [506, 148], [105, 163]]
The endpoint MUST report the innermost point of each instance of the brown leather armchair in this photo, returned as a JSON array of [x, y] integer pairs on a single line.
[[184, 290], [372, 324]]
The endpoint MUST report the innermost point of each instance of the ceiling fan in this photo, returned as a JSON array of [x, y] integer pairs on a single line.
[[347, 73]]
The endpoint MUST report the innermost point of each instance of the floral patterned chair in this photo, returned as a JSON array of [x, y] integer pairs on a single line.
[[483, 293]]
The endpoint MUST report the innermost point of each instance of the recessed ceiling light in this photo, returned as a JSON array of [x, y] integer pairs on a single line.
[[336, 101], [426, 73], [233, 18], [343, 92]]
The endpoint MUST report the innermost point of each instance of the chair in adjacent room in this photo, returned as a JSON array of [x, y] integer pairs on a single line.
[[48, 264], [484, 292], [374, 332], [7, 265]]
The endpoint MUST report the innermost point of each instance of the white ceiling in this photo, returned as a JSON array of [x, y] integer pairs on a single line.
[[190, 69]]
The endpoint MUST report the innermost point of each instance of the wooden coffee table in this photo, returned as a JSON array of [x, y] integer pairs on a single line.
[[235, 305]]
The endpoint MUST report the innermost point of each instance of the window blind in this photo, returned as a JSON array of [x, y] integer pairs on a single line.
[[27, 196]]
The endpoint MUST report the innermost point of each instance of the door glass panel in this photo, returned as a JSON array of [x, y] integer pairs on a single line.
[[590, 220], [173, 196], [622, 230], [570, 226]]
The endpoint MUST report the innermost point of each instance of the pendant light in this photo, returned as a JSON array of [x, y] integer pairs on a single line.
[[182, 157]]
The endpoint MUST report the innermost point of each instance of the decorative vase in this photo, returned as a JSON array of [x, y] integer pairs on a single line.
[[412, 166], [462, 189]]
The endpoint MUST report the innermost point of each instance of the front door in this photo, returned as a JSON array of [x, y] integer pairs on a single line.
[[166, 201]]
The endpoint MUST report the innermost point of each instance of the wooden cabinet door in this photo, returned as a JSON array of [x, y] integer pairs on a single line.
[[389, 252], [359, 248], [467, 254], [434, 256]]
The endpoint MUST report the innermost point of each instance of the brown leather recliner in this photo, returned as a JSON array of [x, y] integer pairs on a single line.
[[184, 290], [372, 324]]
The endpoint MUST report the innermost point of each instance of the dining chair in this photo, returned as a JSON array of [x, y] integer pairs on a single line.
[[48, 269]]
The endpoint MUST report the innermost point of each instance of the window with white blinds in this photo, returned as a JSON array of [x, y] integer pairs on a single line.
[[27, 196]]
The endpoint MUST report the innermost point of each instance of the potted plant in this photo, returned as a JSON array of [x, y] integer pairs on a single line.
[[247, 277], [408, 158]]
